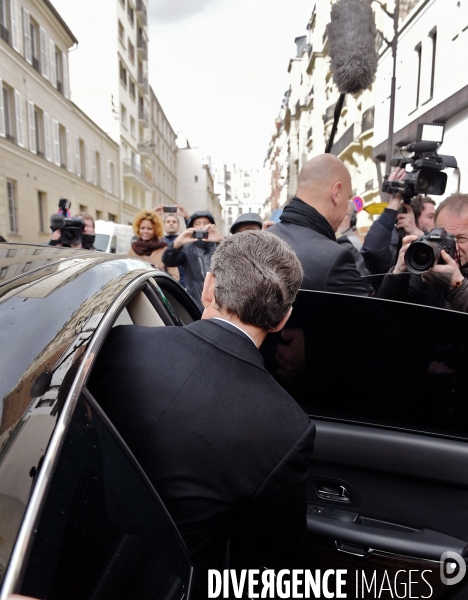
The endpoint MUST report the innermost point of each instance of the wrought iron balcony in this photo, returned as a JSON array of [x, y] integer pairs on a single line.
[[143, 83], [143, 115], [142, 47], [141, 11], [135, 173]]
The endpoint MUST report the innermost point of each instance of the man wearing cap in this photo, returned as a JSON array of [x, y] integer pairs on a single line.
[[246, 222], [194, 254]]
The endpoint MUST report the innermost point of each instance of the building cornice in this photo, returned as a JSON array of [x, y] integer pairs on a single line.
[[53, 10]]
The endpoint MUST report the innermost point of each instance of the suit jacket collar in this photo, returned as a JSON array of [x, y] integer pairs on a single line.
[[226, 340]]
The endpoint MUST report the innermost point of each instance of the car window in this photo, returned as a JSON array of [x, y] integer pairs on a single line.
[[103, 532], [373, 361]]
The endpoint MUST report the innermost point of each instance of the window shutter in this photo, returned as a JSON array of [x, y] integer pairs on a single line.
[[86, 162], [69, 150], [44, 54], [103, 175], [14, 24], [19, 120], [53, 65], [32, 127], [56, 132], [65, 83], [109, 176], [77, 156], [94, 163], [2, 112], [47, 148], [27, 35]]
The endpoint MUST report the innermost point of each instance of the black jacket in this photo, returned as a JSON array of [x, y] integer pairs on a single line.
[[380, 248], [169, 239], [328, 266], [195, 257], [217, 436]]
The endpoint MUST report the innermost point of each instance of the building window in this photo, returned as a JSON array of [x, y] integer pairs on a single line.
[[112, 217], [121, 34], [42, 208], [82, 208], [130, 13], [230, 210], [122, 2], [123, 74], [433, 37], [131, 51], [132, 89], [196, 178], [123, 115], [83, 160], [97, 169], [418, 79], [34, 35], [132, 126], [8, 114], [39, 132], [59, 70], [63, 146], [11, 196], [98, 215]]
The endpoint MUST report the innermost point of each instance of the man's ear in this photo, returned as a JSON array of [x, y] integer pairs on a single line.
[[208, 290], [282, 323], [336, 189]]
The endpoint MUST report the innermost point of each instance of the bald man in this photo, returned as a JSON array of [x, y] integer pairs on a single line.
[[309, 222]]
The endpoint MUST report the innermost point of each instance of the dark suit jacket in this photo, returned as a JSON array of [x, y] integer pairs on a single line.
[[216, 434], [328, 266]]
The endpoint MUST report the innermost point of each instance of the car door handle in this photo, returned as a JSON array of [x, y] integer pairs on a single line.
[[328, 491], [423, 543]]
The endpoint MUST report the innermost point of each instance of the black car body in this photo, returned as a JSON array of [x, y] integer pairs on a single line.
[[386, 383], [78, 517]]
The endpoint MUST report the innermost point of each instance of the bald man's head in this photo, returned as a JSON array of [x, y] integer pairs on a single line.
[[325, 184]]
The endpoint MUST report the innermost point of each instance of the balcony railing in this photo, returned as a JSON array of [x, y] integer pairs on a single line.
[[143, 83], [345, 140], [130, 168], [143, 115], [4, 34], [141, 11], [142, 46], [367, 119]]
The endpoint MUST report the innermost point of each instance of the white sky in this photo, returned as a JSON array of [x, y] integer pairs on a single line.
[[219, 69]]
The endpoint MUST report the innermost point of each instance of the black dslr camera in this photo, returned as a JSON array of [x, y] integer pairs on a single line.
[[71, 228], [424, 253]]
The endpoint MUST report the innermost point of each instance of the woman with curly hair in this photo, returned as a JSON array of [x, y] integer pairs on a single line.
[[149, 246]]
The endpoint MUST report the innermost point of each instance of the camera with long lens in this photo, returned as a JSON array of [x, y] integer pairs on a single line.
[[427, 177], [424, 253]]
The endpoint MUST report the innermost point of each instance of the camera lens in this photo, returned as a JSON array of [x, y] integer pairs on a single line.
[[68, 236], [421, 256]]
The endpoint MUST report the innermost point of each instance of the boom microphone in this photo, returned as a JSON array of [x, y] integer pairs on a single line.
[[351, 35], [57, 222]]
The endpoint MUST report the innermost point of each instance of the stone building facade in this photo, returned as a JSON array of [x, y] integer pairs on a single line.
[[49, 149]]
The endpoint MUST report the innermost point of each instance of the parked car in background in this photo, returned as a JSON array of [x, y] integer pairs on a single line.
[[113, 237]]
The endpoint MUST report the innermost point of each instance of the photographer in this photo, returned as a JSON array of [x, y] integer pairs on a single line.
[[445, 284], [193, 249], [380, 248]]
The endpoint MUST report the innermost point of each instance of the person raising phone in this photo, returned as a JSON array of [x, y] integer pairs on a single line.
[[193, 249]]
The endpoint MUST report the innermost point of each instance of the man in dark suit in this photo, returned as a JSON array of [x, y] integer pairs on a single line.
[[309, 222], [218, 437]]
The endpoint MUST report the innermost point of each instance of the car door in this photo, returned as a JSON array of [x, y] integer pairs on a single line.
[[387, 386], [95, 527]]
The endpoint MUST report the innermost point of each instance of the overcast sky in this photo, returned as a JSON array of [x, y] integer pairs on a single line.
[[219, 69]]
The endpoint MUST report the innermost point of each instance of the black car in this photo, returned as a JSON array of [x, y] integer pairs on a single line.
[[78, 517], [386, 383]]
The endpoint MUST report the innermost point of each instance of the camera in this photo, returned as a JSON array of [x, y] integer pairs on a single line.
[[170, 209], [200, 235], [71, 229], [424, 253], [426, 178]]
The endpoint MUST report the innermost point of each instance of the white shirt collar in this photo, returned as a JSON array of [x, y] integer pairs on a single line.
[[237, 327]]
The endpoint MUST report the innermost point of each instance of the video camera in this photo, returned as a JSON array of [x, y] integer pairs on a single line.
[[71, 228], [427, 177]]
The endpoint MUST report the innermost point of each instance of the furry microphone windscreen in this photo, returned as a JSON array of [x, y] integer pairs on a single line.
[[351, 35]]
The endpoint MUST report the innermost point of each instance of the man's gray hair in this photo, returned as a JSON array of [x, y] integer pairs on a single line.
[[257, 277]]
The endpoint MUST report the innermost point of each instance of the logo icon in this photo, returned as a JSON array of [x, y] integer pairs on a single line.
[[449, 563]]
